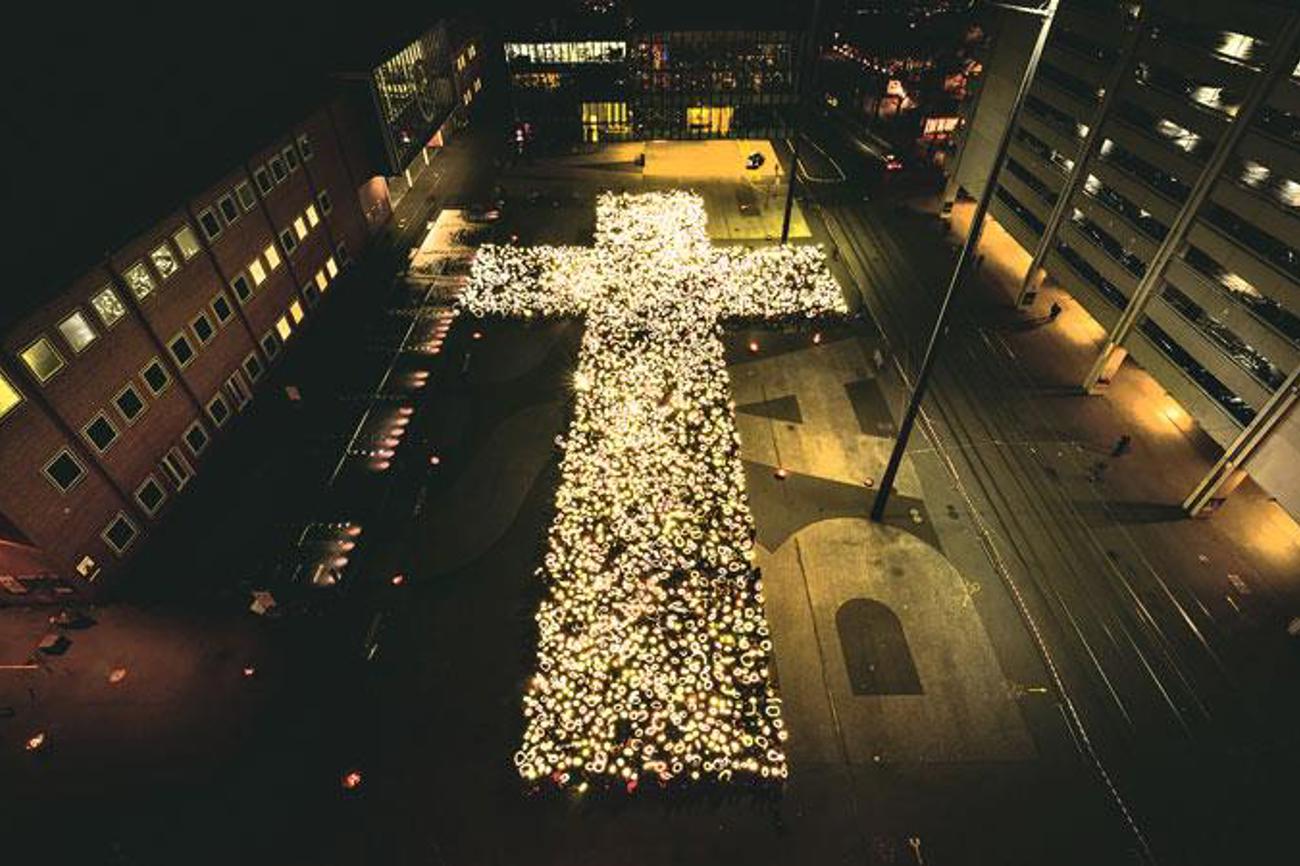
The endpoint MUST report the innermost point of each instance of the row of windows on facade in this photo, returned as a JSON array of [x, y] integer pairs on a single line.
[[65, 471], [231, 205], [468, 96], [465, 57]]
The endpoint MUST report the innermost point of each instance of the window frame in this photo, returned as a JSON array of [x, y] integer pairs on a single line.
[[279, 176], [108, 289], [165, 244], [6, 385], [94, 335], [254, 268], [220, 298], [273, 339], [41, 338], [326, 203], [81, 467], [260, 367], [144, 404], [180, 248], [162, 495], [273, 257], [248, 287], [85, 432], [305, 149], [207, 439], [310, 293], [144, 268], [292, 244], [258, 174], [175, 478], [180, 335], [221, 399], [290, 157], [202, 316], [120, 517], [155, 361], [203, 226], [250, 205], [222, 201]]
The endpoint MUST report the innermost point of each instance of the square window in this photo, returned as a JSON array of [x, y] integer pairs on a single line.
[[156, 377], [164, 260], [343, 254], [203, 328], [270, 345], [196, 438], [290, 157], [77, 332], [304, 147], [9, 397], [187, 242], [311, 293], [300, 227], [326, 205], [139, 280], [221, 308], [42, 359], [278, 171], [100, 432], [218, 411], [129, 403], [64, 470], [312, 216], [150, 495], [263, 179], [181, 350], [295, 312], [239, 285], [252, 367], [283, 328], [247, 198], [210, 224], [288, 241], [331, 267], [120, 533], [258, 272], [108, 305], [272, 256], [228, 208], [321, 280]]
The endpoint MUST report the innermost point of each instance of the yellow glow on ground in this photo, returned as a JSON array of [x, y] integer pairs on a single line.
[[720, 159]]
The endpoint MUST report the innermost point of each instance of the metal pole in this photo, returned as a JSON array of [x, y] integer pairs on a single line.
[[801, 91], [963, 263]]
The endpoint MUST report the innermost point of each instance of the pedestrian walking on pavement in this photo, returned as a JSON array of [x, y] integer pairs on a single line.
[[1053, 312], [1122, 446]]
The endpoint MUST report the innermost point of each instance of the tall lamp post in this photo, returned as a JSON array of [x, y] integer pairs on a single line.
[[802, 87], [1048, 13]]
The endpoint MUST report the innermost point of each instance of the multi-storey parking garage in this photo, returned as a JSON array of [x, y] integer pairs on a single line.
[[1154, 173]]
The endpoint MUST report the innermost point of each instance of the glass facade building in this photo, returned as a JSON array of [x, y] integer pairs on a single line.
[[413, 95]]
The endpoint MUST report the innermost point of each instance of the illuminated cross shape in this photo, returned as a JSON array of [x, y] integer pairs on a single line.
[[654, 653]]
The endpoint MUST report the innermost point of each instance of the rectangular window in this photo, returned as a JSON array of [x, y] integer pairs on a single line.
[[257, 272], [283, 328], [272, 256], [139, 280], [331, 267], [119, 534], [326, 205], [150, 495], [304, 147], [129, 403], [288, 241], [239, 285], [176, 468], [181, 350], [263, 179], [247, 198], [77, 332], [100, 432], [156, 377], [278, 171], [252, 367], [229, 210], [322, 281], [108, 305], [311, 293], [9, 397], [300, 227], [312, 217], [237, 391], [290, 157], [270, 345], [218, 411], [221, 308], [164, 260], [203, 328], [196, 438], [42, 359], [295, 312], [64, 470], [343, 254], [187, 242], [210, 224]]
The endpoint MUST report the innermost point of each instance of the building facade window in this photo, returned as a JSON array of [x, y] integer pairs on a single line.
[[9, 397], [229, 210], [270, 345], [155, 376], [181, 349], [263, 179], [108, 306], [252, 367], [218, 411], [187, 242], [290, 157], [278, 171], [77, 332], [150, 495], [64, 470], [272, 256], [120, 533], [304, 147], [139, 280], [130, 405], [196, 438], [42, 359], [288, 241], [257, 272], [164, 260], [326, 204], [247, 198], [239, 285], [221, 308], [100, 432], [210, 224], [203, 328]]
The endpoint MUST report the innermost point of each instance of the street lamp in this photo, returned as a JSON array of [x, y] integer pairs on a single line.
[[1048, 13]]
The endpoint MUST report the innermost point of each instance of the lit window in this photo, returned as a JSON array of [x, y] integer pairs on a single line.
[[1253, 174], [295, 311], [326, 205], [331, 267], [108, 305], [472, 51], [9, 397], [228, 208], [150, 495], [258, 272], [312, 216], [42, 359], [209, 223], [478, 84], [203, 328], [283, 328], [239, 285], [300, 227], [221, 308], [139, 280], [1235, 45], [100, 432], [263, 179], [1179, 136], [64, 470], [290, 158], [247, 198], [77, 332], [288, 241], [187, 242], [129, 403], [1288, 192], [120, 533], [196, 438], [164, 260], [218, 410], [181, 350], [278, 170], [155, 376], [304, 147], [321, 280], [272, 256]]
